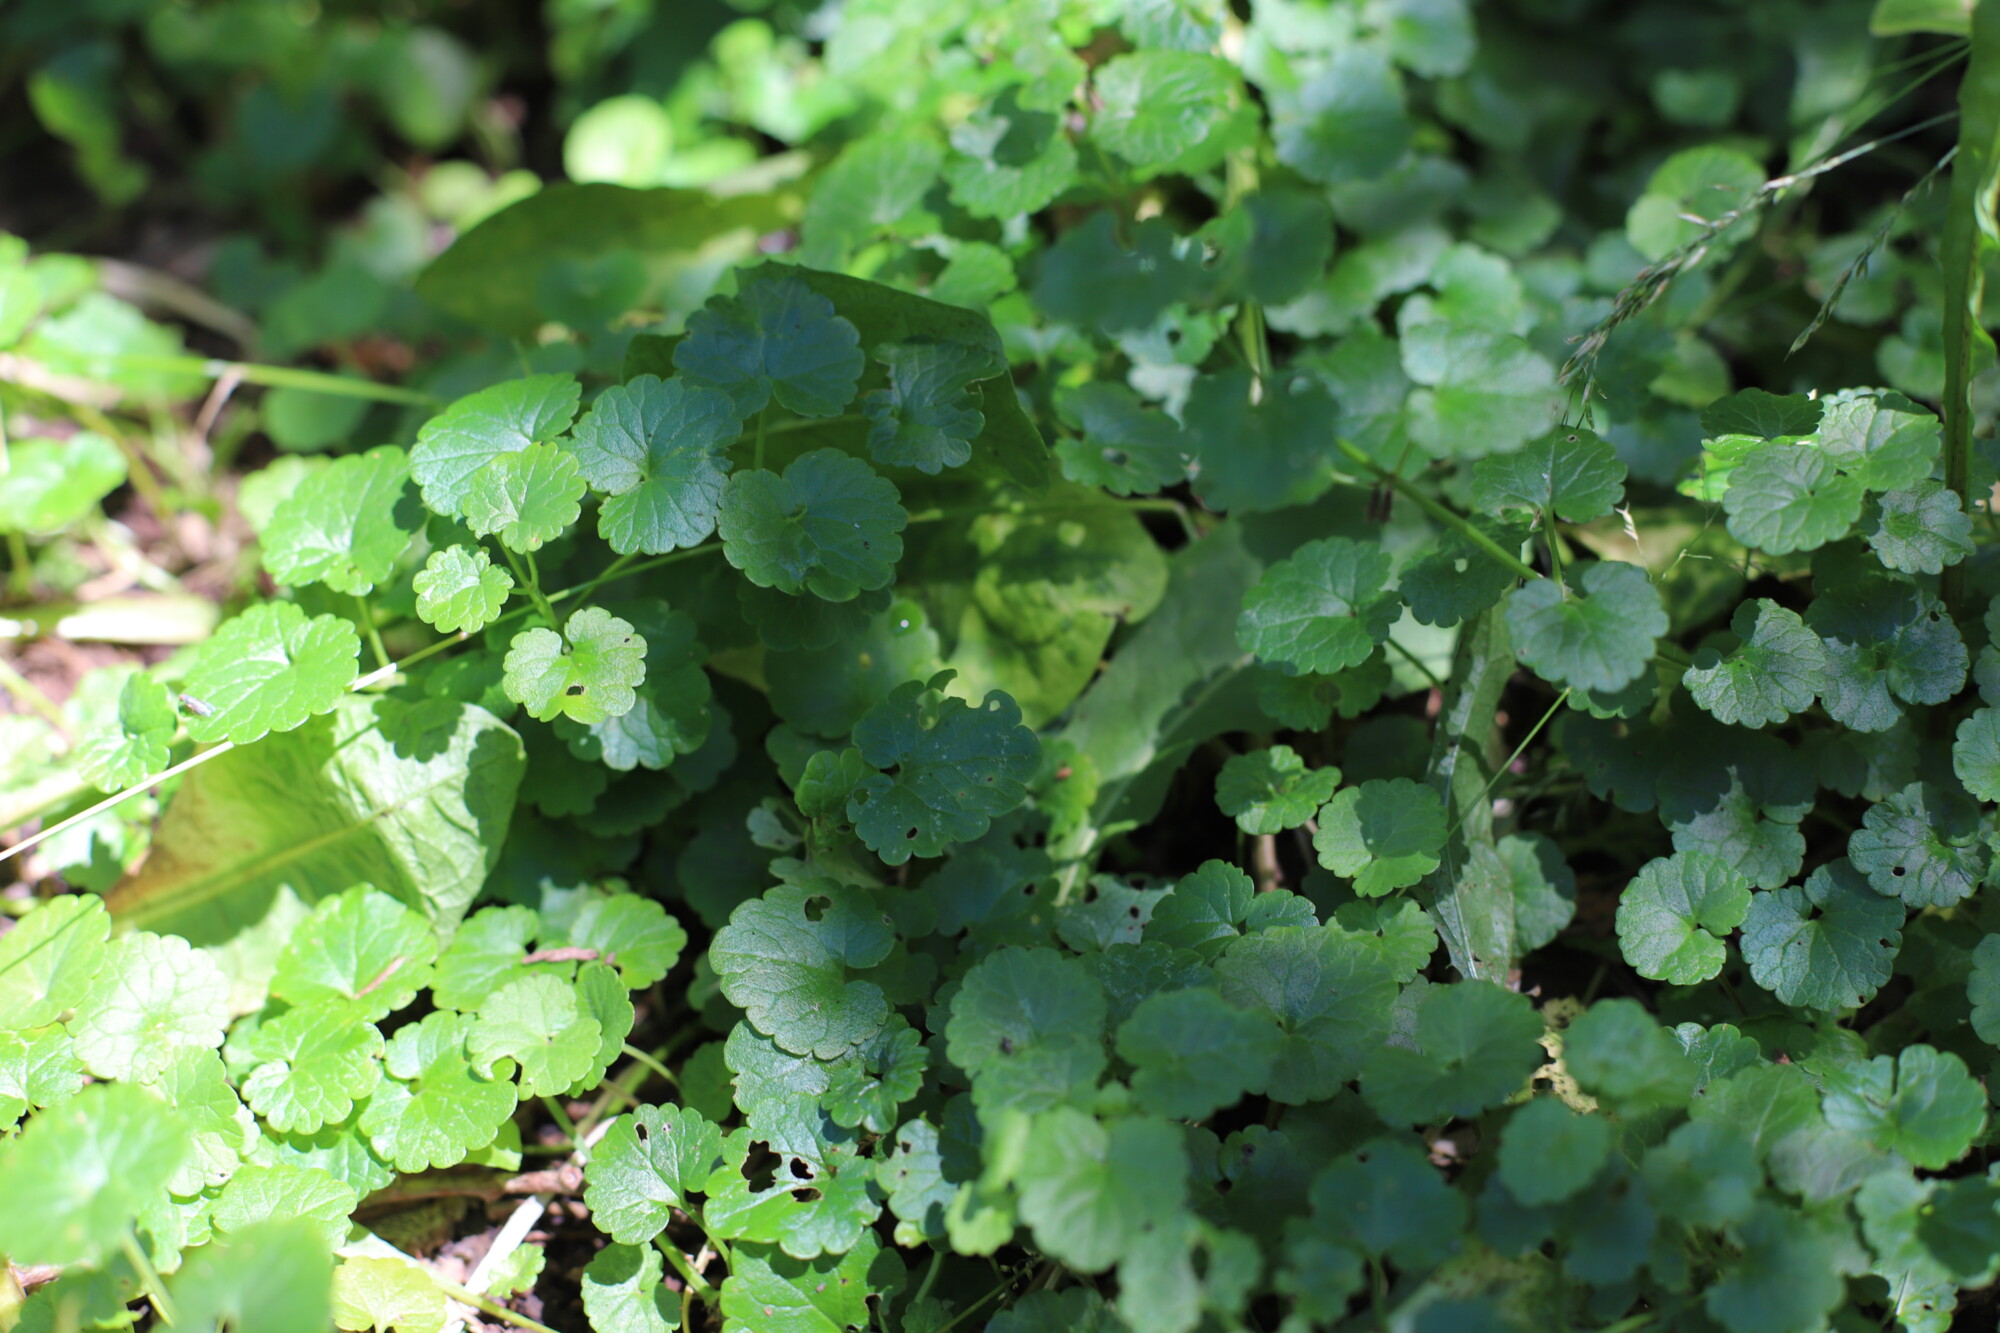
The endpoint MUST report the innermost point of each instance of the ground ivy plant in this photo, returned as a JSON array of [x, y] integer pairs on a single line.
[[1159, 681]]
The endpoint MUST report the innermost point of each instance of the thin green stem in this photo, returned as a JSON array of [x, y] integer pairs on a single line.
[[20, 566], [610, 572], [1456, 522], [24, 690], [930, 1276], [1520, 749], [149, 1277], [275, 377], [1418, 663], [374, 635], [138, 468], [728, 1256], [967, 1312], [525, 576], [811, 423], [487, 1305], [632, 1052], [563, 1122], [1554, 543]]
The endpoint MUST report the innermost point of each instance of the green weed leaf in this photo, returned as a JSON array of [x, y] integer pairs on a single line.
[[1925, 845], [154, 995], [955, 767], [655, 448], [776, 338], [1092, 1191], [141, 744], [1825, 945], [786, 960], [1601, 639], [1193, 1053], [361, 951], [1028, 1026], [1271, 790], [1474, 1045], [588, 673], [1323, 610], [1921, 1103], [1885, 641], [268, 670], [1569, 472], [312, 1064], [1776, 670], [1328, 992], [1920, 530], [830, 525], [622, 1291], [926, 418], [460, 589], [1673, 916], [1158, 105], [92, 1165], [526, 498], [1125, 447], [480, 427], [345, 525], [1549, 1152], [435, 1107], [1384, 835], [1790, 497], [1763, 414], [540, 1024]]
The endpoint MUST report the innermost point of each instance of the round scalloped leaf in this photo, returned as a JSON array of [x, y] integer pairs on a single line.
[[1790, 497], [1549, 1152], [1091, 1192], [1028, 1026], [435, 1107], [1975, 754], [1155, 106], [1674, 914], [1384, 835], [1880, 437], [656, 449], [1787, 1274], [1982, 989], [785, 959], [50, 959], [1323, 610], [1599, 640], [622, 1292], [776, 338], [650, 1163], [830, 525], [361, 950], [311, 1065], [1127, 448], [153, 995], [527, 498], [1885, 638], [956, 768], [1456, 580], [926, 418], [1347, 122], [1252, 454], [90, 1166], [345, 524], [1009, 159], [866, 1093], [1921, 1103], [1919, 530], [259, 1194], [628, 932], [1925, 845], [1479, 391], [768, 1289], [1271, 790], [1193, 1053], [268, 670], [589, 673], [1570, 471], [539, 1023], [460, 440], [141, 743], [1826, 945], [1474, 1045], [1329, 992], [1776, 670], [53, 483], [669, 717], [38, 1068], [374, 1293], [460, 589]]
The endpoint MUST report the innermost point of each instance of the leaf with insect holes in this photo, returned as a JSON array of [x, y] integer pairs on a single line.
[[1126, 447], [669, 717], [1384, 835], [1322, 610], [539, 1023], [650, 1163], [787, 959], [776, 338], [140, 745], [925, 418], [589, 673], [435, 1107], [268, 670], [1825, 945], [1924, 844], [362, 951], [92, 1165], [527, 498], [1028, 1026], [1879, 437], [153, 994], [1919, 530], [460, 589], [1885, 641], [955, 766], [311, 1065], [1776, 670], [655, 448], [806, 1216], [1271, 790], [506, 418], [1674, 914], [1570, 472], [1599, 640], [345, 525], [866, 1094], [830, 525]]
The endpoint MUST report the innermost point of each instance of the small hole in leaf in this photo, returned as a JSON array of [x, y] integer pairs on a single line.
[[639, 1130], [1006, 1046], [800, 1171], [1897, 871], [911, 836], [816, 907], [573, 691], [1116, 457]]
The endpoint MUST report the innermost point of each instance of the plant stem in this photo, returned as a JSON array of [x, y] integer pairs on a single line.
[[563, 1122], [930, 1276], [1457, 523], [1416, 662], [277, 377], [966, 1313], [374, 635], [525, 576], [634, 1053], [149, 1277], [1969, 213], [486, 1305], [21, 566], [692, 1280]]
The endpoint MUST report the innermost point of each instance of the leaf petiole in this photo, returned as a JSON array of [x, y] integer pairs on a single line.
[[1456, 522]]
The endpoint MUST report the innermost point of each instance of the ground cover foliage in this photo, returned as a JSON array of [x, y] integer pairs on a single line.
[[1053, 664]]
